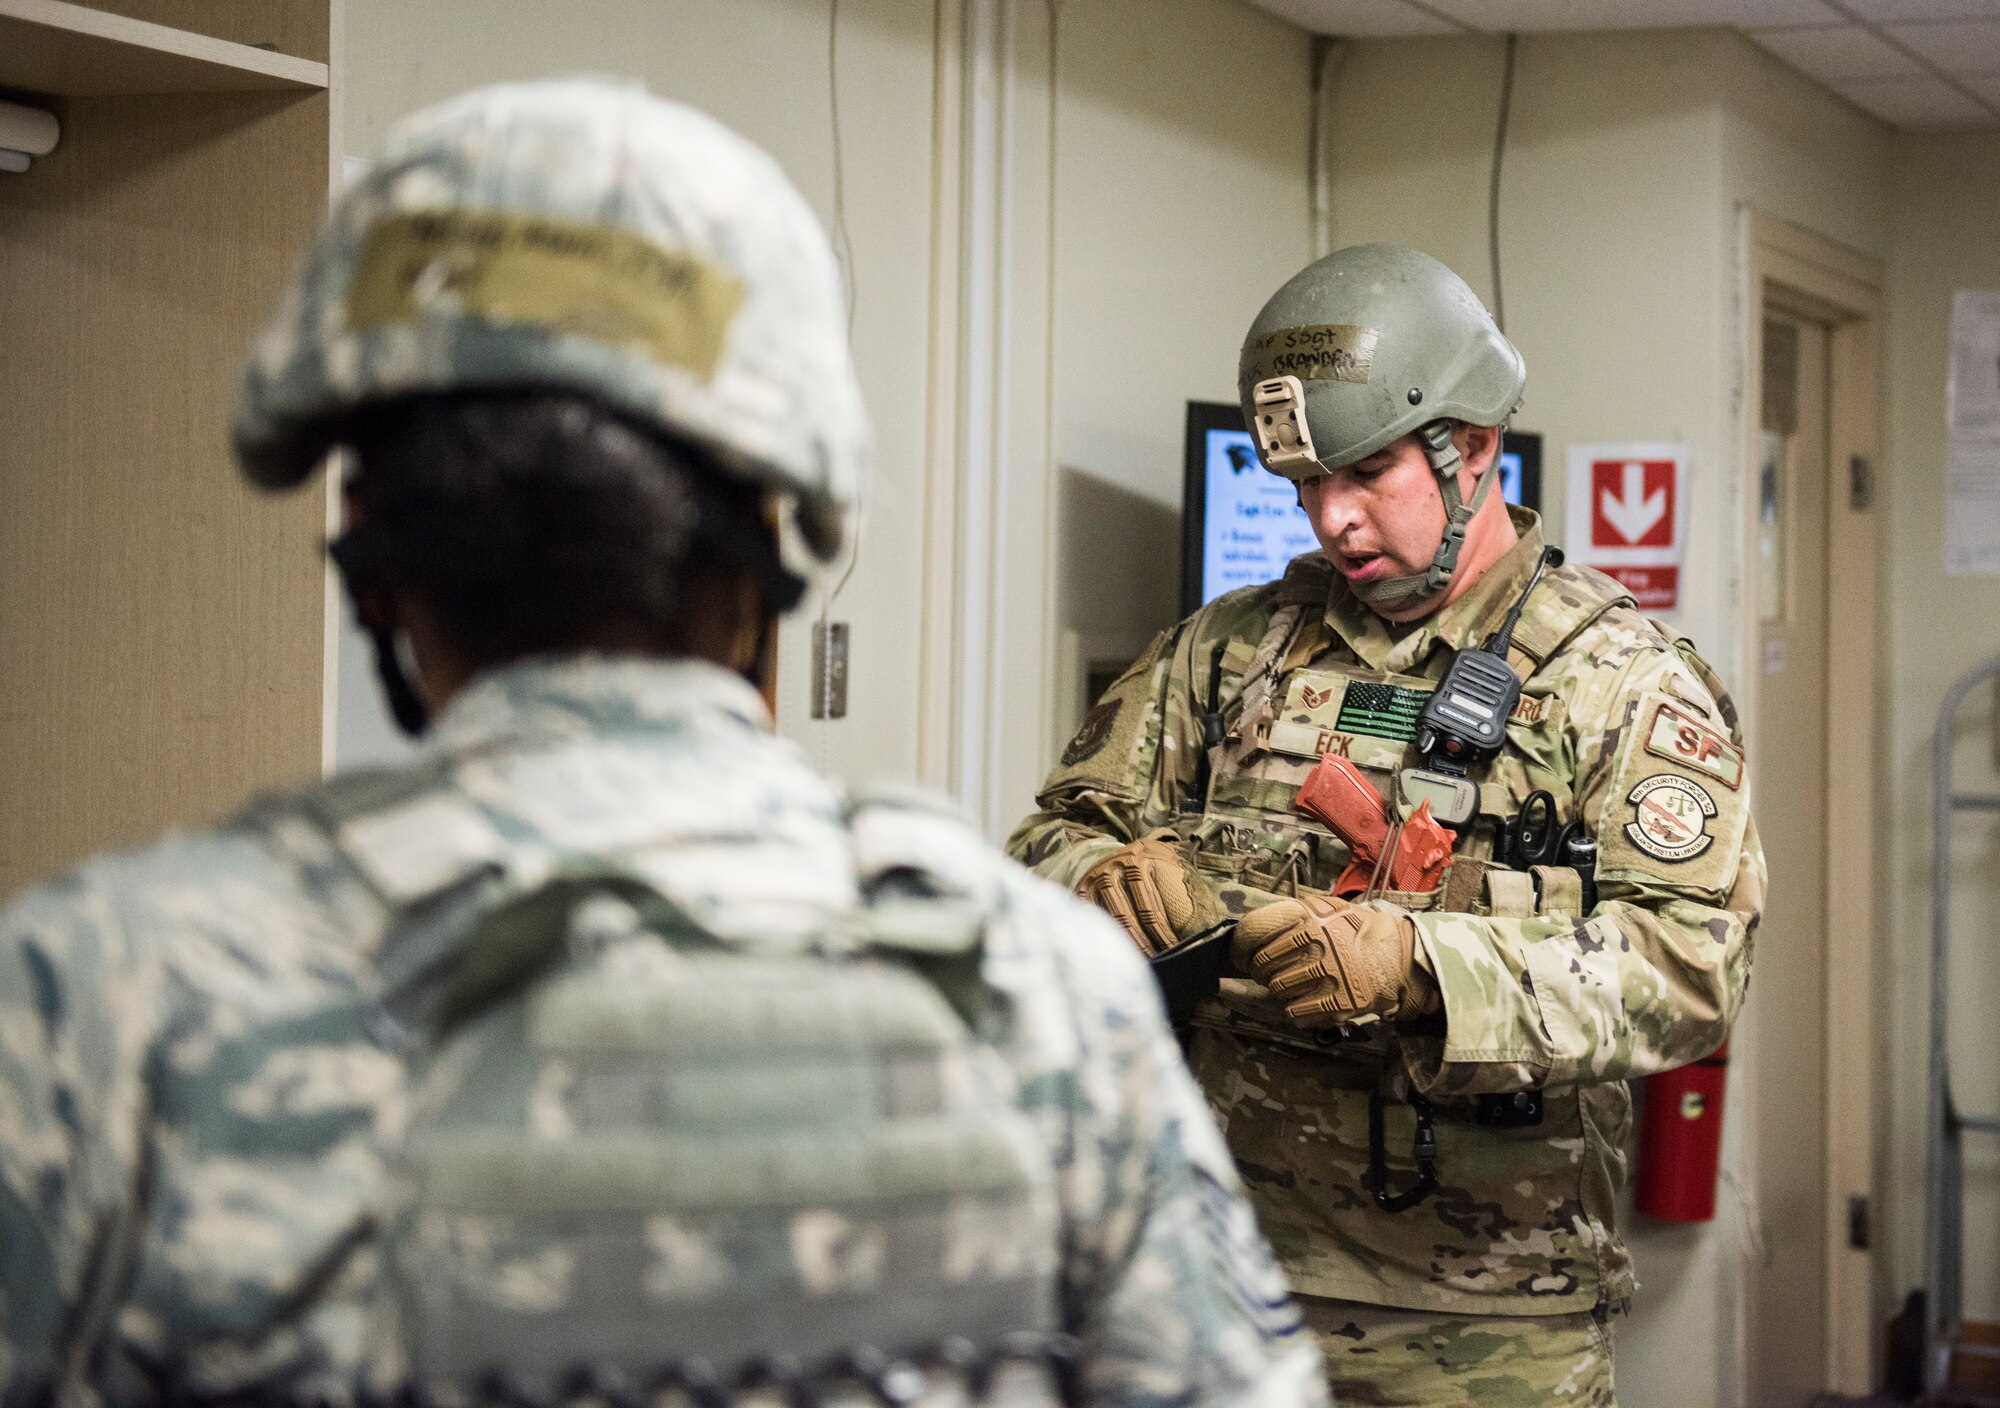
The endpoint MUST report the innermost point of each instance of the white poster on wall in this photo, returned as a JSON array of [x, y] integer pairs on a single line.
[[1972, 437], [1628, 516]]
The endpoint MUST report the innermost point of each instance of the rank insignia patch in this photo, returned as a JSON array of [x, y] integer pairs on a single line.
[[1248, 1269], [1670, 817], [1093, 735], [1381, 710]]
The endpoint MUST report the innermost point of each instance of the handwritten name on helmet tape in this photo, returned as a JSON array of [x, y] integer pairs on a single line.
[[1322, 352], [609, 285], [1670, 817], [1692, 744]]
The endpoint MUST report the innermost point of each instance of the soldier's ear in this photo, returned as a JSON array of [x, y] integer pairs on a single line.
[[1478, 446]]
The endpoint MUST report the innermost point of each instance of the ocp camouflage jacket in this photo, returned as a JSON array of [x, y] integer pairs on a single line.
[[1627, 730]]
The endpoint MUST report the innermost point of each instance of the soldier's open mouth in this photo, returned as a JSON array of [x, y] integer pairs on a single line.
[[1361, 566]]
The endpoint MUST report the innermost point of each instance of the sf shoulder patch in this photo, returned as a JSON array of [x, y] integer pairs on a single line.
[[1670, 816], [1684, 740], [1094, 733]]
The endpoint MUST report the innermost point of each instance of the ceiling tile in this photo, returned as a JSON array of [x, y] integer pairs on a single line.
[[1902, 11], [1956, 46], [1360, 19], [1832, 55], [1495, 16], [1917, 103]]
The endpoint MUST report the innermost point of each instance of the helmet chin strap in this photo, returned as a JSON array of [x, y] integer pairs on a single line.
[[1445, 462], [406, 706]]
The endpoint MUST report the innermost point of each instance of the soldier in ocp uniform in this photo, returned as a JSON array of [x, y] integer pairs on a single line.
[[1424, 1088], [605, 1051]]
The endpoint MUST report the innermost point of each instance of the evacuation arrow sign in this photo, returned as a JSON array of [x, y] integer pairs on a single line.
[[1632, 503], [1626, 513]]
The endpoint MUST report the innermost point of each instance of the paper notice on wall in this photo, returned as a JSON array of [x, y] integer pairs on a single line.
[[1972, 508], [1628, 517], [1972, 437]]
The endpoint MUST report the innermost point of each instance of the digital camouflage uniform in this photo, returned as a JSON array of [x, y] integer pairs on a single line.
[[196, 1099], [1628, 732]]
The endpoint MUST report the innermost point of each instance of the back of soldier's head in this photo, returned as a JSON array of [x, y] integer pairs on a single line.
[[583, 341], [539, 523]]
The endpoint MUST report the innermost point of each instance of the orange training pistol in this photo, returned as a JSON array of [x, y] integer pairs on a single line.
[[1338, 797]]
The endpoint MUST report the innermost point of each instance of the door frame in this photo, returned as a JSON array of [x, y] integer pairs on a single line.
[[1803, 274]]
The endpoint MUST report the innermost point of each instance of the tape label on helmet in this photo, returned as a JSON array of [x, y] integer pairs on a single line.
[[610, 286], [1321, 352]]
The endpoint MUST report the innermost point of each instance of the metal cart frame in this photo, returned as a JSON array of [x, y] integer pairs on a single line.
[[1944, 1173]]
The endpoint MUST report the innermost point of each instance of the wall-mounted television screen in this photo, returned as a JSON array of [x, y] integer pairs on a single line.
[[1240, 525]]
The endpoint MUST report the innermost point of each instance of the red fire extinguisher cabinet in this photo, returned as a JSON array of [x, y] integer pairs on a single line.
[[1680, 1141]]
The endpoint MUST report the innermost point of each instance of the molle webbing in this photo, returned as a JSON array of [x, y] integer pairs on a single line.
[[630, 1134], [1005, 1371], [1261, 678]]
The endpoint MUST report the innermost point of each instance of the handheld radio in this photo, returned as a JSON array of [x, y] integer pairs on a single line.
[[1464, 722]]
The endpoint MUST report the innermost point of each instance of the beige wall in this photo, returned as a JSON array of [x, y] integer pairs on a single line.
[[1171, 208], [1946, 237], [1629, 158], [1179, 208], [761, 66]]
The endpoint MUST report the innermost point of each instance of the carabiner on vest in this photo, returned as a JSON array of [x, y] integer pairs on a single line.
[[1423, 1149]]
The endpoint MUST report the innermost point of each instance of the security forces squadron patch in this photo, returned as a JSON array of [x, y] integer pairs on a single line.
[[1670, 817], [1093, 735]]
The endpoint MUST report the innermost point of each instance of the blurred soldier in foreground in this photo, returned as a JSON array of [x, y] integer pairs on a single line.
[[1480, 834], [605, 1049]]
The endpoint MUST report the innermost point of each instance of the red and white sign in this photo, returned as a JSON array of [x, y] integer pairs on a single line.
[[1631, 503]]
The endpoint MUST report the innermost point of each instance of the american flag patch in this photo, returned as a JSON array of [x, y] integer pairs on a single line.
[[1381, 710]]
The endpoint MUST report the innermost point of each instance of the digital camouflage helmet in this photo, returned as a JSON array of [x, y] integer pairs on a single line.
[[1363, 347], [574, 235]]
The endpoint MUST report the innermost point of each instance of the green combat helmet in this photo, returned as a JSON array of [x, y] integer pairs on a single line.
[[1358, 350], [577, 234]]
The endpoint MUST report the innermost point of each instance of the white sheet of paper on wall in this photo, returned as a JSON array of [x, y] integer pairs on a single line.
[[1972, 437], [1972, 508]]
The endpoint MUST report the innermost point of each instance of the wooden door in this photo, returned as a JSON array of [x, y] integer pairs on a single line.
[[1785, 1023]]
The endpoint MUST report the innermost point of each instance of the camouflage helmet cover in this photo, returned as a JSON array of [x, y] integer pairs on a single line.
[[1382, 340], [577, 234]]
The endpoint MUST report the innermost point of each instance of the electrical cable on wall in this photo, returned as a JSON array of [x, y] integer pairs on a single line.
[[1493, 187], [1327, 57], [843, 245], [843, 242], [1316, 193], [830, 644]]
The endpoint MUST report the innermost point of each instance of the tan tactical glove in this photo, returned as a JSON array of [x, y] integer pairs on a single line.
[[1334, 963], [1149, 888]]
